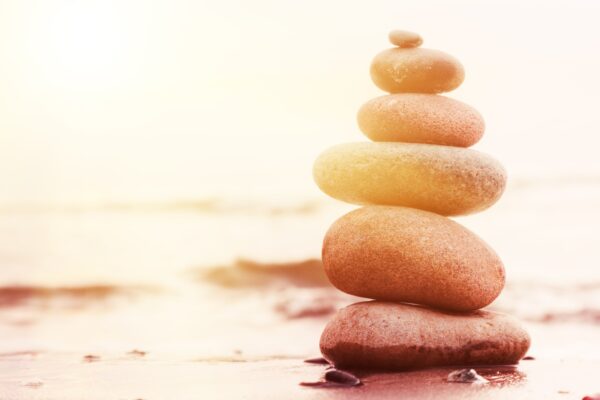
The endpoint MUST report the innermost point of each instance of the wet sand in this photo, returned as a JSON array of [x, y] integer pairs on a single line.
[[152, 304], [66, 377], [165, 345]]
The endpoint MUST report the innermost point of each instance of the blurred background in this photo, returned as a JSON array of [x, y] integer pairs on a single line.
[[155, 169]]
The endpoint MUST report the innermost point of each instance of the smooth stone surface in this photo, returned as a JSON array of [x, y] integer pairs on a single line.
[[405, 39], [442, 179], [390, 336], [421, 118], [419, 70], [407, 255]]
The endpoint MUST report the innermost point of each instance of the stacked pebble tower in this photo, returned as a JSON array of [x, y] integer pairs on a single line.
[[428, 275]]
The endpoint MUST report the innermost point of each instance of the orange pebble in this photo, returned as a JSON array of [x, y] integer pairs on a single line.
[[417, 70], [405, 39], [420, 118], [407, 255], [378, 335]]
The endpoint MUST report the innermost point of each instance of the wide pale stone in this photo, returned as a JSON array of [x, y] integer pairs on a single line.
[[379, 335], [443, 179], [414, 256], [416, 70], [420, 118]]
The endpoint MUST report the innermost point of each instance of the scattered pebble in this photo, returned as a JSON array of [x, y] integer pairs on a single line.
[[91, 358], [35, 384], [592, 397], [317, 360], [466, 376], [335, 378], [137, 353], [341, 377], [508, 375], [528, 358]]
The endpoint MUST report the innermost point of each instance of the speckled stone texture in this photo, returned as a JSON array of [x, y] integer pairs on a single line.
[[419, 70], [442, 179], [389, 336], [408, 255], [429, 275], [420, 118]]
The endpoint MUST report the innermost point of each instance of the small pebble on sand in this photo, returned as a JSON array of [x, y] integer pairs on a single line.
[[91, 358], [341, 377], [34, 384], [466, 376], [137, 353], [335, 378]]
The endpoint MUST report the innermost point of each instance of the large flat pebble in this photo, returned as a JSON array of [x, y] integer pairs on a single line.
[[442, 179], [389, 336]]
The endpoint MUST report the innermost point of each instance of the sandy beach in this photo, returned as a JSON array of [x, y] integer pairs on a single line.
[[161, 226], [161, 303], [122, 377]]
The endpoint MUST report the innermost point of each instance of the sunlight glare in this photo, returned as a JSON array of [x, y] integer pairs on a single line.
[[82, 44]]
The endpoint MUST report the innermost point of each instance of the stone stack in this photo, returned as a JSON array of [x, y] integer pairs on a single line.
[[428, 275]]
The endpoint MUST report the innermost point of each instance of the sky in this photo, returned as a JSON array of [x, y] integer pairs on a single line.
[[128, 101]]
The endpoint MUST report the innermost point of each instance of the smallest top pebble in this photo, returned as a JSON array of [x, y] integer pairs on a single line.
[[405, 39]]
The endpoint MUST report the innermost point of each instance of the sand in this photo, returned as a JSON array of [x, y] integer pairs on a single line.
[[157, 300], [66, 377]]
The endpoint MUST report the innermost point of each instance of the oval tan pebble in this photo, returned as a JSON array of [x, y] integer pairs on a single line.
[[379, 335], [420, 118], [442, 179], [398, 70], [414, 256], [405, 39]]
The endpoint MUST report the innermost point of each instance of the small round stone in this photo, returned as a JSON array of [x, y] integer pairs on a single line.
[[407, 255], [420, 118], [393, 336], [443, 179], [416, 70], [405, 39]]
